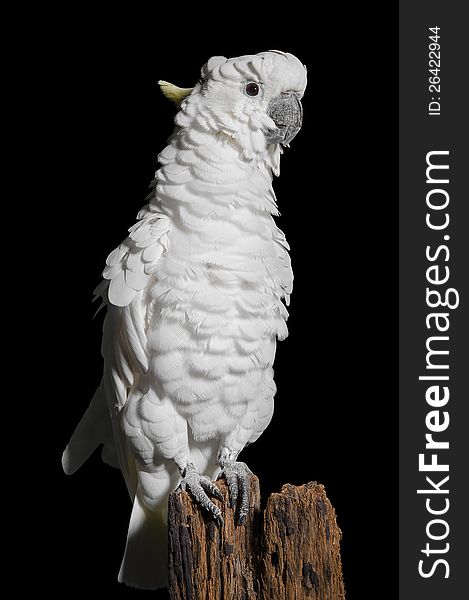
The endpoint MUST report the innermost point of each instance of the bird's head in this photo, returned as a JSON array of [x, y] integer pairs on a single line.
[[255, 100]]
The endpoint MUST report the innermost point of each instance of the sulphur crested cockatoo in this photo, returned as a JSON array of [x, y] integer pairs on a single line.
[[195, 303]]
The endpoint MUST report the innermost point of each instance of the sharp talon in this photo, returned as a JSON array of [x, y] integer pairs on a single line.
[[216, 514], [234, 496], [209, 486], [198, 486], [242, 519], [237, 477], [216, 492]]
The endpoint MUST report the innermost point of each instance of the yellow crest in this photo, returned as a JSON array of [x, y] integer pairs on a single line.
[[173, 92]]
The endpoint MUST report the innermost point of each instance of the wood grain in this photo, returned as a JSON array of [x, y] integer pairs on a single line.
[[290, 551]]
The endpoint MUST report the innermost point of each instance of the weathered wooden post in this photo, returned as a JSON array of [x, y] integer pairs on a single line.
[[290, 551]]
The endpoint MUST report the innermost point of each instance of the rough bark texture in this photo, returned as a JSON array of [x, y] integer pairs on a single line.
[[290, 551]]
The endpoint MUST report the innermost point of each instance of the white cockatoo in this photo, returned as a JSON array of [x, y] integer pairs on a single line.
[[195, 303]]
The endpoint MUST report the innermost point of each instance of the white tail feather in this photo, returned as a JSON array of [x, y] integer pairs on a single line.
[[93, 429], [146, 553]]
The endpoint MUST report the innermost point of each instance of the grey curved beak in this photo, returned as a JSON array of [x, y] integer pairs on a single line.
[[287, 113]]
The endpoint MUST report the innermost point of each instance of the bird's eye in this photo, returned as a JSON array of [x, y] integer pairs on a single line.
[[251, 89]]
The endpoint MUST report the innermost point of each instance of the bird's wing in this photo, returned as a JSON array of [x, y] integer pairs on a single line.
[[129, 272], [130, 266]]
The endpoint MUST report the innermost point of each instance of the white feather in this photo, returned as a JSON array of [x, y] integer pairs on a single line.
[[194, 301]]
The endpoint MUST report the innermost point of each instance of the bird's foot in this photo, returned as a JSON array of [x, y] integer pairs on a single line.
[[237, 477], [198, 486]]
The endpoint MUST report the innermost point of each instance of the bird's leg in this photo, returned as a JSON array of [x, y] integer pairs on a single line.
[[237, 477], [198, 486]]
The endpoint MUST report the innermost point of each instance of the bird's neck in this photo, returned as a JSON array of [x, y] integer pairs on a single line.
[[205, 173]]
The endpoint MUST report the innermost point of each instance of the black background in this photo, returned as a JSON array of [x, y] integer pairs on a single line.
[[105, 121]]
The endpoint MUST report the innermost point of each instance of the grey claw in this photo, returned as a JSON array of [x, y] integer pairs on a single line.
[[244, 509], [237, 477], [232, 481], [209, 486], [197, 485]]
